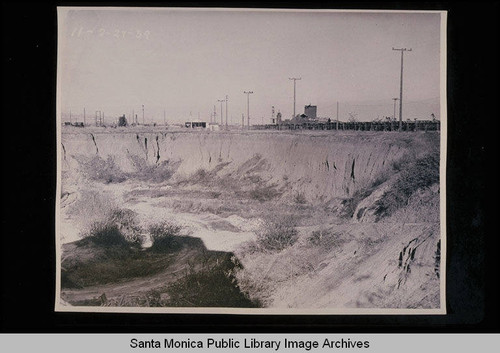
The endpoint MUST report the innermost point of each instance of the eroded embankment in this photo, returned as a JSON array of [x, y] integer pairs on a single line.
[[322, 166], [362, 207]]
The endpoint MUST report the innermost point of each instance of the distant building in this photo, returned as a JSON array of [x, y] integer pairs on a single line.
[[310, 111], [196, 124], [213, 127]]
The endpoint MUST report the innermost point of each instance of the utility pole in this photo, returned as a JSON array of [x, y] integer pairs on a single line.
[[164, 117], [294, 86], [402, 50], [394, 114], [248, 93], [143, 114], [226, 110], [84, 117], [221, 117]]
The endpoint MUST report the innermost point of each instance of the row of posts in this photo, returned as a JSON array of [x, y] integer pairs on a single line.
[[357, 126]]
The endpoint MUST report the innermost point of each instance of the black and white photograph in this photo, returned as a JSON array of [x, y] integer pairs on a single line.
[[251, 161]]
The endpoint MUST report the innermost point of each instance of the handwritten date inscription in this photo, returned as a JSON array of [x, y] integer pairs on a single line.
[[81, 32]]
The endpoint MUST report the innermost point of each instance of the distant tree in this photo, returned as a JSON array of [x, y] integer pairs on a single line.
[[353, 117], [122, 121]]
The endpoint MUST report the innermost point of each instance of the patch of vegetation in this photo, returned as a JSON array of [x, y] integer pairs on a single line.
[[91, 205], [214, 285], [119, 228], [102, 170], [264, 193], [115, 265], [300, 198], [156, 173], [325, 239], [412, 174], [106, 235], [403, 162], [164, 236], [278, 233], [201, 175], [111, 251], [206, 177], [418, 174]]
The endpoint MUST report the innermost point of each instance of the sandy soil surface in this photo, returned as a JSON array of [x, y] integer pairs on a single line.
[[221, 188]]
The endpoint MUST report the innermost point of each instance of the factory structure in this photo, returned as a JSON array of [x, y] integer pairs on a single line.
[[310, 114], [309, 120]]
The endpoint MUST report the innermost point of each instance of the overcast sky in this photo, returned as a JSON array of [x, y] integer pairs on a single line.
[[183, 61]]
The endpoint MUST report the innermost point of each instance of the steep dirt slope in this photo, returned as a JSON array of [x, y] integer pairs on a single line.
[[321, 165], [366, 206]]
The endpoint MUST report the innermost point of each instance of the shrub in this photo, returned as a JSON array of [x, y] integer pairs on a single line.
[[163, 235], [214, 285], [418, 174], [103, 170], [200, 175], [120, 227], [316, 237], [156, 173], [265, 193], [106, 234], [278, 233], [300, 198], [401, 163], [325, 239], [126, 221]]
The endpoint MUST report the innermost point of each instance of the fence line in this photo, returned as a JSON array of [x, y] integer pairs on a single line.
[[423, 125]]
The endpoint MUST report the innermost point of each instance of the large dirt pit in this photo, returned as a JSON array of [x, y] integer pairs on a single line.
[[303, 220]]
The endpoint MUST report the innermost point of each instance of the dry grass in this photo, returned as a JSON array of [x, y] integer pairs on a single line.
[[417, 174], [102, 170], [155, 173], [300, 198], [277, 233]]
